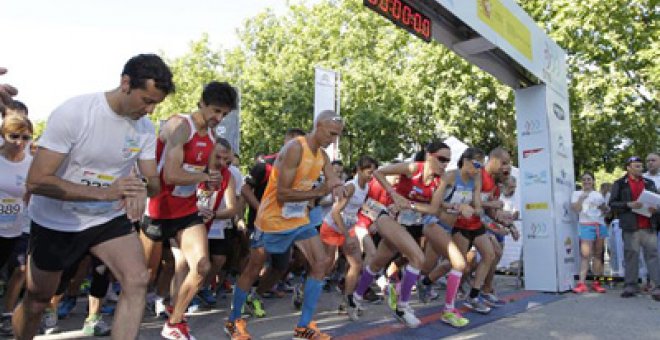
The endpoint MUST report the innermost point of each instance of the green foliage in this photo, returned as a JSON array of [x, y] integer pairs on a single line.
[[613, 66], [38, 128], [398, 92]]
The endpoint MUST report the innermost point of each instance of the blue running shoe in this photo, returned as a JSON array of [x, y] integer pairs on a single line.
[[194, 305], [108, 309], [206, 295], [66, 306]]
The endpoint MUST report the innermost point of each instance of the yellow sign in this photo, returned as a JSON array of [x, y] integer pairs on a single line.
[[537, 206], [494, 14]]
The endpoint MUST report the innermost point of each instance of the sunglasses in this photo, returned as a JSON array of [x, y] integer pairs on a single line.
[[442, 159], [17, 136], [476, 164], [634, 159]]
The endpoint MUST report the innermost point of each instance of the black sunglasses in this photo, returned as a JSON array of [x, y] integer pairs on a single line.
[[443, 159], [634, 159], [17, 136]]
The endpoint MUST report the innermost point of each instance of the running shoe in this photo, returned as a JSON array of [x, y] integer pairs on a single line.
[[194, 306], [406, 315], [492, 300], [254, 306], [95, 326], [580, 288], [178, 331], [108, 309], [49, 322], [297, 297], [359, 302], [311, 332], [160, 307], [454, 318], [65, 307], [237, 330], [596, 287], [352, 311], [477, 305], [206, 295]]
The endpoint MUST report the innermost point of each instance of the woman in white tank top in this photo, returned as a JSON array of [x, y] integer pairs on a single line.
[[338, 230]]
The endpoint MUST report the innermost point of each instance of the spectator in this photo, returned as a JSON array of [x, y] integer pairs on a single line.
[[16, 107], [638, 231]]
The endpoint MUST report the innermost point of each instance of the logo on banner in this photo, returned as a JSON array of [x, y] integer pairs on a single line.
[[325, 80], [566, 213], [530, 152], [561, 147], [563, 179], [558, 111], [536, 178], [538, 230], [568, 245], [536, 206], [532, 127]]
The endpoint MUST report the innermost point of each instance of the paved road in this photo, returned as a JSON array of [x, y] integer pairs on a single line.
[[589, 316]]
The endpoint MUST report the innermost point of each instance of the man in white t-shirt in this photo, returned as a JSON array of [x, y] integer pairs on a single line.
[[86, 193]]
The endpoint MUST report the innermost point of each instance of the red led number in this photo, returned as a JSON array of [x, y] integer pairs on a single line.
[[406, 15], [395, 10], [426, 28], [384, 4]]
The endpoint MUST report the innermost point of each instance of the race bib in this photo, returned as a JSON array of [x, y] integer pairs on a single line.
[[372, 208], [204, 199], [186, 191], [10, 207], [409, 217], [92, 178], [294, 209]]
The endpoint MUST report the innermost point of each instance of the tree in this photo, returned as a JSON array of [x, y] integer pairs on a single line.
[[613, 53]]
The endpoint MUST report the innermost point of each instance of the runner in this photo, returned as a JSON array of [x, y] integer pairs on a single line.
[[283, 216], [184, 145], [337, 229], [14, 164], [218, 205], [464, 187], [86, 196]]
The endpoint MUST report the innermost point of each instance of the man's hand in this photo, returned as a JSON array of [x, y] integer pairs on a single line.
[[215, 178], [135, 206], [400, 202], [466, 210], [124, 187], [6, 91], [206, 213]]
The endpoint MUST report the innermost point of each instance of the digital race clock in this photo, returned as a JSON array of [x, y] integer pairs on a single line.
[[403, 15]]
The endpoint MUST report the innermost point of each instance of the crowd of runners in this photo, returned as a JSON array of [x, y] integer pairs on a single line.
[[161, 221]]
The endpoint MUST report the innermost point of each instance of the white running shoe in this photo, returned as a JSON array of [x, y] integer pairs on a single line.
[[406, 315]]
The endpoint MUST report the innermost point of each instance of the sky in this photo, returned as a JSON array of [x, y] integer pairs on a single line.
[[55, 50]]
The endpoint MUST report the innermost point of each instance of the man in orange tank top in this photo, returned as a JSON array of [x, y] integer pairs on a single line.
[[183, 150], [283, 216]]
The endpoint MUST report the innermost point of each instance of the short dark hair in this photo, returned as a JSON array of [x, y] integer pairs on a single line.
[[470, 154], [366, 161], [220, 94], [294, 132], [143, 67], [337, 162], [17, 105], [223, 142], [590, 174], [435, 145], [634, 159], [498, 153]]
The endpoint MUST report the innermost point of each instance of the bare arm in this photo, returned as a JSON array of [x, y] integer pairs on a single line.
[[251, 199], [395, 169], [230, 202], [42, 180], [287, 164], [339, 206], [175, 134]]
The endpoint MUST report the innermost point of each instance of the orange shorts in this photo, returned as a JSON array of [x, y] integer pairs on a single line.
[[332, 237]]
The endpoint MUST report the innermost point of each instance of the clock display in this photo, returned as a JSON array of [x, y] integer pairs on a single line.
[[404, 15]]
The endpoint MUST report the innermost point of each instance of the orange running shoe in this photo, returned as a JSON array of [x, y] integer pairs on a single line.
[[237, 330], [596, 287], [580, 288], [311, 332]]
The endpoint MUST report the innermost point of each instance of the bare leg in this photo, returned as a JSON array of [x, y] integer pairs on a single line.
[[195, 248], [41, 285], [125, 258]]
